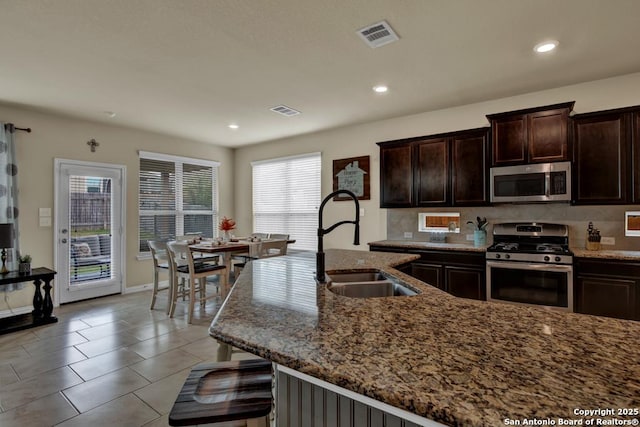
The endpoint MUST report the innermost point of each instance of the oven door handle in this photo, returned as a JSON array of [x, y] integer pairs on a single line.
[[530, 266]]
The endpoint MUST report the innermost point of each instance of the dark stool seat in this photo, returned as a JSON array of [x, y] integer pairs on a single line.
[[224, 391]]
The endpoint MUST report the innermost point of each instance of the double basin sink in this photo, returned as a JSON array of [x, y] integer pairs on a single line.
[[366, 284]]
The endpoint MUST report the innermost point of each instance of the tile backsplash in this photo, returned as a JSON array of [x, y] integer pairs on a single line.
[[608, 219]]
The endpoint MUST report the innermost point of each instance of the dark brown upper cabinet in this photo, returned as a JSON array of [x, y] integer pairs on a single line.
[[534, 135], [396, 176], [635, 159], [601, 144], [432, 172], [470, 161], [440, 170]]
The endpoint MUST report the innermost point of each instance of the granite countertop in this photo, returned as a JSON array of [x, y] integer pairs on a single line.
[[578, 252], [413, 244], [456, 361], [607, 254]]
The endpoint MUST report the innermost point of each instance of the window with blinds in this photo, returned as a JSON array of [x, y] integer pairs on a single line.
[[177, 196], [286, 197]]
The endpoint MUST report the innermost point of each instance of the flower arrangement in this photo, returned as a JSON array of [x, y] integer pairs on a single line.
[[26, 259], [227, 224]]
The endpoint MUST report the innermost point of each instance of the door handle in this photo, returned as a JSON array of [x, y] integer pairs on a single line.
[[64, 240], [63, 231]]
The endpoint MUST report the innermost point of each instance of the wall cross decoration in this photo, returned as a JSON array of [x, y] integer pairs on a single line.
[[93, 144]]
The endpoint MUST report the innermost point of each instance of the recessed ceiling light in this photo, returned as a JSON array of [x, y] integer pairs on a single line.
[[546, 46], [109, 114], [380, 89], [233, 126]]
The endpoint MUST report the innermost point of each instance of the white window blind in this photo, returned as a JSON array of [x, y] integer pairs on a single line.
[[286, 197], [177, 196]]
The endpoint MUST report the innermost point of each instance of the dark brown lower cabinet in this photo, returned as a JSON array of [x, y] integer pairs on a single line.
[[428, 273], [607, 288], [459, 273], [465, 282]]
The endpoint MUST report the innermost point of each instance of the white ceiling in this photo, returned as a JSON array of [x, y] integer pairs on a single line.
[[190, 67]]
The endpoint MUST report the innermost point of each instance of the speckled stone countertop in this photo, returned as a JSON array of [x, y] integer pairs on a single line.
[[412, 244], [459, 362], [607, 254], [578, 252]]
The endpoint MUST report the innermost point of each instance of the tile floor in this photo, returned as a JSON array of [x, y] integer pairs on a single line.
[[107, 362]]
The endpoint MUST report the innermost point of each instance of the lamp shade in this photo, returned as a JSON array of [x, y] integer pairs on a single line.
[[6, 236]]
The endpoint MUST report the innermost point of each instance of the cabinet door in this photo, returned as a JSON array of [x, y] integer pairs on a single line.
[[432, 175], [600, 159], [547, 131], [605, 296], [396, 178], [509, 140], [469, 156], [427, 273], [465, 282], [636, 157]]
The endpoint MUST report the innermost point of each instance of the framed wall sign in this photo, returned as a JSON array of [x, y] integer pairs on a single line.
[[352, 174]]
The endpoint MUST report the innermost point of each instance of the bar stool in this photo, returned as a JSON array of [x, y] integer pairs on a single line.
[[239, 390]]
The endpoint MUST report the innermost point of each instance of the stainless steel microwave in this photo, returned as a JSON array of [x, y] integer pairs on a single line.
[[541, 182]]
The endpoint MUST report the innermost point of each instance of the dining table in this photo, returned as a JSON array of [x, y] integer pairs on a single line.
[[228, 249], [225, 249]]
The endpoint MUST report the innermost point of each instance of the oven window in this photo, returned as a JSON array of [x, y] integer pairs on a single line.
[[526, 184], [530, 286]]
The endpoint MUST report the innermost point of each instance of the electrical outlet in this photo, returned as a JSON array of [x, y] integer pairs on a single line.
[[408, 235], [469, 236], [608, 240], [361, 211]]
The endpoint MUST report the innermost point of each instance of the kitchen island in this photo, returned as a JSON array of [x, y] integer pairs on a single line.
[[452, 360]]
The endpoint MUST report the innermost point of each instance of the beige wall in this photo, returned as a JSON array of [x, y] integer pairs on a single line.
[[360, 140], [55, 136], [61, 137]]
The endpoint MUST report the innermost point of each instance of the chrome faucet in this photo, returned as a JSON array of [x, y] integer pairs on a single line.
[[321, 231]]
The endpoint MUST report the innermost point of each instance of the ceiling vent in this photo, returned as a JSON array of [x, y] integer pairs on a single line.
[[378, 34], [285, 111]]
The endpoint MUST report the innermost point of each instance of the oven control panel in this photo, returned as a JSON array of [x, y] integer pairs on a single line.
[[530, 257]]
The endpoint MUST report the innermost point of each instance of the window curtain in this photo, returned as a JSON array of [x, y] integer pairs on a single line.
[[9, 194]]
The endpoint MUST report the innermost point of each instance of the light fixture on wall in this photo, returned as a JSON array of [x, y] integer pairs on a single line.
[[6, 241]]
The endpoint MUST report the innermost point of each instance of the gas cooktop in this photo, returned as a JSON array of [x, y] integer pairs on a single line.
[[532, 242]]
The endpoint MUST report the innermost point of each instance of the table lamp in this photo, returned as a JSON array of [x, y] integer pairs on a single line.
[[6, 241]]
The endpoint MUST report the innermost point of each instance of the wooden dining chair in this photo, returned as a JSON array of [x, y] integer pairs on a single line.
[[199, 256], [160, 264], [273, 248], [184, 267], [275, 236]]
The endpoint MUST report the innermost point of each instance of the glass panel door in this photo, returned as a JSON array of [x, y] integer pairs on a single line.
[[88, 220]]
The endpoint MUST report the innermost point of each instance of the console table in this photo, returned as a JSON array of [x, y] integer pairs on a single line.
[[42, 306]]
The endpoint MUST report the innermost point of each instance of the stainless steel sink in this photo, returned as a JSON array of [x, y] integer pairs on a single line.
[[356, 276], [366, 284]]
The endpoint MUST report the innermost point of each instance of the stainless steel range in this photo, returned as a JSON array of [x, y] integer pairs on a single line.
[[530, 263]]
